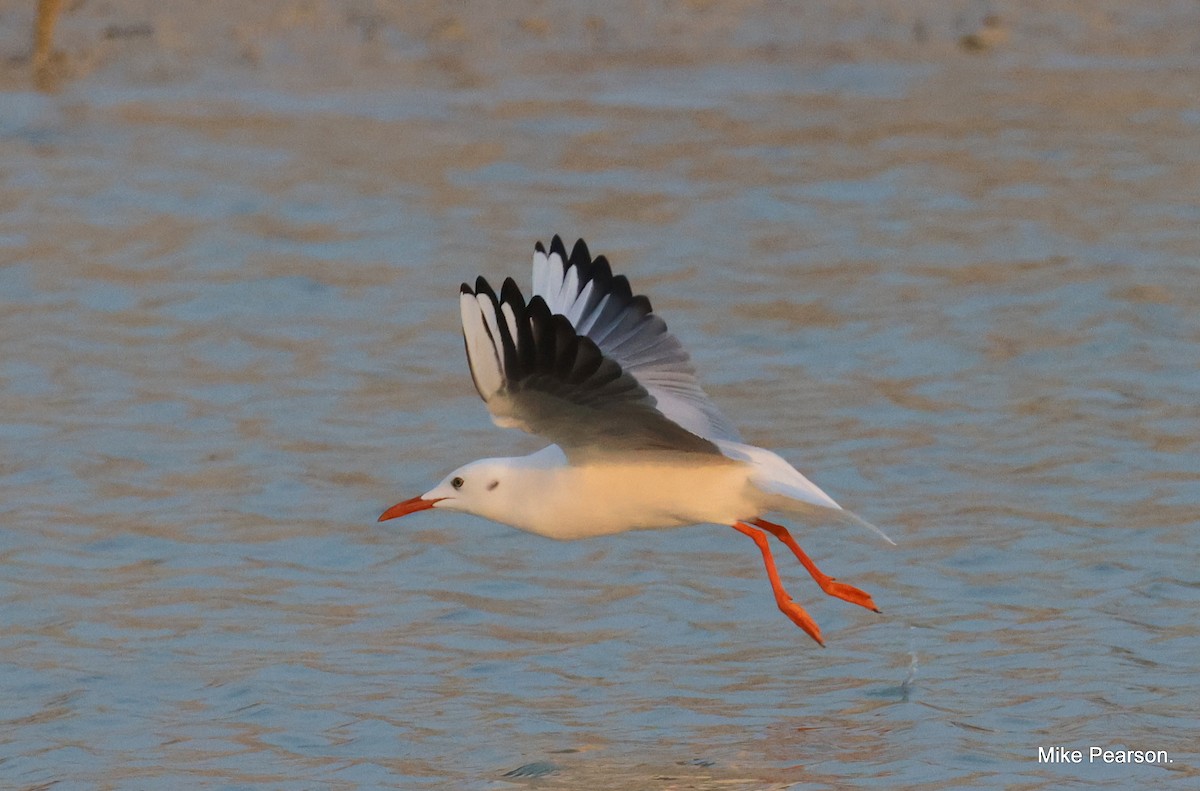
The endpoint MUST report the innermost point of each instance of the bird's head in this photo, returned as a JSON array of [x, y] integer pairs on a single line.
[[476, 488]]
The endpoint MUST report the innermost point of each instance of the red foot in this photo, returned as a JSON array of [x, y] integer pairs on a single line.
[[828, 584], [802, 619], [788, 607]]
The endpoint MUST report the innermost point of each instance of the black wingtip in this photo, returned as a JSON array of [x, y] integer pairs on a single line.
[[580, 256], [621, 289], [537, 247], [557, 246], [484, 287], [465, 289], [510, 292]]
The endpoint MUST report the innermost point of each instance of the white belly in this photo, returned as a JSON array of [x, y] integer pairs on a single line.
[[599, 499]]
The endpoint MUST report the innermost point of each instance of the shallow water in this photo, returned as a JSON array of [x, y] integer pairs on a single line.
[[958, 290]]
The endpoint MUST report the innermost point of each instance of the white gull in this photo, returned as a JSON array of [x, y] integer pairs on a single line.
[[637, 444]]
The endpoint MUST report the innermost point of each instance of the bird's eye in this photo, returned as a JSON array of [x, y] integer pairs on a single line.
[[457, 483]]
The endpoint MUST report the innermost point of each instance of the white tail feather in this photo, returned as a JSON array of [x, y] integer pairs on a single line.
[[789, 490], [849, 516]]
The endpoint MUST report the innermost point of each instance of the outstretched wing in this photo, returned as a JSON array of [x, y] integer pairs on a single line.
[[602, 307], [536, 373]]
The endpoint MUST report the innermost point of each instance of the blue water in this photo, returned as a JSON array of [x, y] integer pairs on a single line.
[[964, 307]]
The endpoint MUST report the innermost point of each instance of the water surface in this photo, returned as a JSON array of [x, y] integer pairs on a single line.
[[958, 290]]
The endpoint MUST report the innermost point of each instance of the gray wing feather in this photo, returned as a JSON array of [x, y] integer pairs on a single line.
[[535, 372], [601, 307]]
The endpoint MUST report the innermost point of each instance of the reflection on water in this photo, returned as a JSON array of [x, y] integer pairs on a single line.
[[957, 290]]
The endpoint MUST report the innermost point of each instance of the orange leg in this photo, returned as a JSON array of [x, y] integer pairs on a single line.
[[828, 584], [786, 605]]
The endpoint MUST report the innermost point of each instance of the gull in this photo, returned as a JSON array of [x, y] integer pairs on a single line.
[[637, 445]]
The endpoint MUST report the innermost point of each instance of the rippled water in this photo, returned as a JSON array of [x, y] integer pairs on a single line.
[[960, 291]]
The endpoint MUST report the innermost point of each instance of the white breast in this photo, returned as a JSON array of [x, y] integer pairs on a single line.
[[570, 502]]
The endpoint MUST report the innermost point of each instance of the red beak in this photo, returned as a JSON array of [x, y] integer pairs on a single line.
[[409, 507]]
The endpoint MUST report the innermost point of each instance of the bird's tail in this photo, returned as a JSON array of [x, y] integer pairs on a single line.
[[788, 490], [842, 515]]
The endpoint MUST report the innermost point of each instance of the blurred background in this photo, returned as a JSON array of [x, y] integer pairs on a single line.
[[940, 255]]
